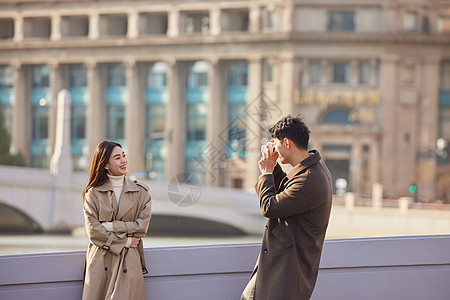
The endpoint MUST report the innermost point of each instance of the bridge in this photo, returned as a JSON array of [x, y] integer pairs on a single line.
[[37, 200]]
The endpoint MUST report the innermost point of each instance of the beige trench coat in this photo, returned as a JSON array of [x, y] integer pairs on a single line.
[[113, 271]]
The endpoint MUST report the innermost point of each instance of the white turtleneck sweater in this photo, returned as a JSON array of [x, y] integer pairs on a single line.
[[117, 184]]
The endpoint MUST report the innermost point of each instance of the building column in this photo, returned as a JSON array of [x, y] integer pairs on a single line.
[[373, 73], [355, 167], [215, 146], [55, 34], [374, 162], [324, 72], [305, 66], [94, 28], [173, 29], [253, 146], [215, 26], [254, 25], [427, 168], [389, 88], [287, 84], [175, 120], [57, 83], [354, 73], [135, 117], [133, 25], [18, 29], [287, 13], [96, 115], [21, 118]]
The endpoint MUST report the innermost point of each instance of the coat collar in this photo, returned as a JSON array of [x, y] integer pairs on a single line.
[[125, 202], [313, 158], [128, 186]]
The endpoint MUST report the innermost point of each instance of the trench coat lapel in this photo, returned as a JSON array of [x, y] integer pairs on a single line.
[[126, 199], [304, 164], [108, 201]]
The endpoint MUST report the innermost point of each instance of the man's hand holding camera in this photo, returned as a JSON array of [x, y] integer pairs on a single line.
[[269, 158]]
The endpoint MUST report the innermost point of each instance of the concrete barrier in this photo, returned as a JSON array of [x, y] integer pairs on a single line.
[[378, 268]]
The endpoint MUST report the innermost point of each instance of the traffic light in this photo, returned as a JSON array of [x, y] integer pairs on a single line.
[[412, 189]]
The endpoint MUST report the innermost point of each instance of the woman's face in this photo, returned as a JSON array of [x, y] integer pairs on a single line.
[[117, 163]]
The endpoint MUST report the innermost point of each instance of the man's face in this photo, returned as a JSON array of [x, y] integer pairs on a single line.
[[280, 148]]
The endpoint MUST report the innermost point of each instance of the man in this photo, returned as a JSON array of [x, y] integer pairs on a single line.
[[297, 206]]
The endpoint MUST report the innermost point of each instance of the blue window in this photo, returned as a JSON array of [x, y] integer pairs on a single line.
[[237, 101], [341, 21], [316, 71], [337, 116], [116, 99], [340, 72], [6, 95], [156, 99], [78, 92], [40, 101], [197, 98]]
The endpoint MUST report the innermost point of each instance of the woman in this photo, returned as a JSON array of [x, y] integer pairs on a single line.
[[117, 212]]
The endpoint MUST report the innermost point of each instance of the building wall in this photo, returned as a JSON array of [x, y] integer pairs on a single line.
[[372, 108]]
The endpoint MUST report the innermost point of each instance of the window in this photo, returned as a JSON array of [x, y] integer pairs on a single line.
[[115, 116], [113, 25], [341, 21], [6, 77], [269, 18], [237, 101], [234, 20], [315, 71], [6, 29], [156, 77], [41, 77], [196, 23], [36, 27], [364, 72], [443, 24], [445, 76], [77, 76], [116, 75], [196, 126], [198, 74], [153, 23], [78, 122], [74, 26], [340, 72], [408, 74], [410, 21], [270, 71], [238, 73]]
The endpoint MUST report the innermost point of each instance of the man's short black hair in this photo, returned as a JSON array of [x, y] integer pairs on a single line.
[[292, 128]]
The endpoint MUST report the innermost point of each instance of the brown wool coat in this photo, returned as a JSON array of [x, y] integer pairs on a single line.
[[114, 272], [298, 207]]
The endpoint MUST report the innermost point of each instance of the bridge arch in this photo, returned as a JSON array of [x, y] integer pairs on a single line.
[[13, 220]]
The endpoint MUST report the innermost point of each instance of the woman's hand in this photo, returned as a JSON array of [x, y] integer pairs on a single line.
[[134, 242]]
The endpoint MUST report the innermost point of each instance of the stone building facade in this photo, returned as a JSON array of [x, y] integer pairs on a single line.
[[192, 86]]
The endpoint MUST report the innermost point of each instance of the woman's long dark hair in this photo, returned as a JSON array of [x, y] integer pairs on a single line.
[[97, 173]]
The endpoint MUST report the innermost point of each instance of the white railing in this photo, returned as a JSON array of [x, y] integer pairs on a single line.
[[381, 268]]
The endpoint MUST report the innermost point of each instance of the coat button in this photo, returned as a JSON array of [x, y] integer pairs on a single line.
[[106, 269], [124, 270], [265, 251]]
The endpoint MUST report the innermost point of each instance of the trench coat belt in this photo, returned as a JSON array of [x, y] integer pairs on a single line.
[[108, 243]]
